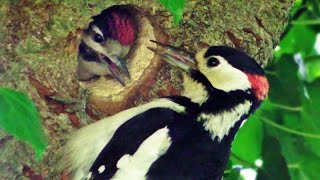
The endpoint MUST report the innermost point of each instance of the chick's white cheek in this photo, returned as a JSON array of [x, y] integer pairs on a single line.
[[92, 44], [113, 48]]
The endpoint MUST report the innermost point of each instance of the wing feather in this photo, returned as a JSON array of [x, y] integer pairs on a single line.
[[83, 148]]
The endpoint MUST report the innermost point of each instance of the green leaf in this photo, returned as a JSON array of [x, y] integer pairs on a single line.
[[175, 7], [297, 5], [310, 116], [302, 164], [312, 70], [315, 7], [233, 174], [248, 141], [307, 22], [299, 39], [305, 167], [284, 82], [274, 164], [20, 117]]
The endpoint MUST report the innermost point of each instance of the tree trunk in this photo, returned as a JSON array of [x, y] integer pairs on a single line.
[[38, 55]]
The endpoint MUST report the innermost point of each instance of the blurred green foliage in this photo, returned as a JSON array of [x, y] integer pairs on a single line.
[[285, 132], [20, 118], [175, 7]]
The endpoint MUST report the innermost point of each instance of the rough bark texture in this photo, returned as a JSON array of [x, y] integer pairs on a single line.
[[38, 52]]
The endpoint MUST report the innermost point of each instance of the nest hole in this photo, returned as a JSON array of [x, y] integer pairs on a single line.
[[122, 32]]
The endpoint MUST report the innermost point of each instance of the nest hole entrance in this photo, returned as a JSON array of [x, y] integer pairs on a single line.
[[116, 39]]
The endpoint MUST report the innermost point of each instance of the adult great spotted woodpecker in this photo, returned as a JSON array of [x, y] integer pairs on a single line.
[[106, 43], [177, 137]]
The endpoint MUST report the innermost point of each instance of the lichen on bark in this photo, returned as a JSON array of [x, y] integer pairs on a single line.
[[39, 44]]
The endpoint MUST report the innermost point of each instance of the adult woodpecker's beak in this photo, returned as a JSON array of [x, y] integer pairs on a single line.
[[175, 56], [116, 66]]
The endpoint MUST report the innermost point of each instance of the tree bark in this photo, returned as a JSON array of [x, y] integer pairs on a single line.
[[38, 53]]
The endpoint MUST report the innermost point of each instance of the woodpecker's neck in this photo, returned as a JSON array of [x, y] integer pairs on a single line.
[[219, 115], [219, 111], [220, 122], [194, 90]]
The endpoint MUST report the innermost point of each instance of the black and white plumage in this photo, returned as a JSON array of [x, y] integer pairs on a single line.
[[179, 137], [106, 43]]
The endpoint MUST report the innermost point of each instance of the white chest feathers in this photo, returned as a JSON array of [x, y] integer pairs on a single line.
[[194, 90], [219, 124]]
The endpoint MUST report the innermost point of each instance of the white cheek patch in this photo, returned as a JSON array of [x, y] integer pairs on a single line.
[[113, 47], [110, 48], [224, 76], [88, 39], [220, 124], [92, 44]]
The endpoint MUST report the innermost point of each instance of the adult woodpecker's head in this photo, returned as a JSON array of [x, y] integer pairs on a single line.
[[226, 84], [106, 43], [216, 70]]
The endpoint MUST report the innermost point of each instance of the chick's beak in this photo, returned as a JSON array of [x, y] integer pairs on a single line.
[[175, 56], [117, 67]]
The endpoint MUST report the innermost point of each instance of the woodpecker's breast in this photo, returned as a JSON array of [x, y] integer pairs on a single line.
[[219, 123]]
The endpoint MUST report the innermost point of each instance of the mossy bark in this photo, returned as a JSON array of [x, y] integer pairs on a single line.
[[38, 52]]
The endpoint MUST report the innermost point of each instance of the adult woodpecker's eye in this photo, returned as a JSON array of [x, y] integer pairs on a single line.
[[98, 38], [213, 62]]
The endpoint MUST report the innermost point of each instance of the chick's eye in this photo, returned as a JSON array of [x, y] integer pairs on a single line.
[[98, 38], [213, 62]]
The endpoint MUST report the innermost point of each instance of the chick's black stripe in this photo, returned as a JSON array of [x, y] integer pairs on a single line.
[[88, 53]]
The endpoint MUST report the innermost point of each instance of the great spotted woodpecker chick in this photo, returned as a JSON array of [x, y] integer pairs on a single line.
[[106, 43], [177, 137]]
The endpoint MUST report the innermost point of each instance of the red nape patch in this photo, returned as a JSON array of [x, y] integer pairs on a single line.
[[259, 85], [124, 29]]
